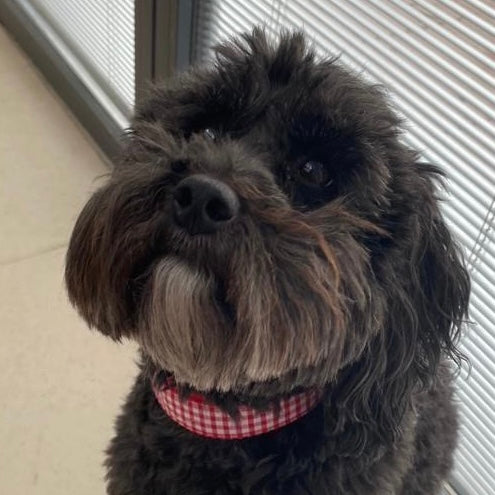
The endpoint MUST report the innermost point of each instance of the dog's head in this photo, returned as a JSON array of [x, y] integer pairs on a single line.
[[267, 225]]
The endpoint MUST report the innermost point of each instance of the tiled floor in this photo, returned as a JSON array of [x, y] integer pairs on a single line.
[[60, 384]]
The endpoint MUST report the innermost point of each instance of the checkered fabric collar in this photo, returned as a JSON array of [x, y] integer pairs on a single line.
[[203, 418]]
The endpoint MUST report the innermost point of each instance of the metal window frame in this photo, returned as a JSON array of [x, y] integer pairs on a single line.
[[163, 30], [163, 40]]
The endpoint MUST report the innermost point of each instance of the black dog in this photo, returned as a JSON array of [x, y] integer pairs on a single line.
[[279, 254]]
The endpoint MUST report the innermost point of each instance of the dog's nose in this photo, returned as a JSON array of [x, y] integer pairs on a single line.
[[203, 205]]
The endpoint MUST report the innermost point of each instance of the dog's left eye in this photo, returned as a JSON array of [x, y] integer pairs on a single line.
[[314, 173], [209, 134]]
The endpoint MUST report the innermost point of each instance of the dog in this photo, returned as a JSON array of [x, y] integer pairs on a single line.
[[279, 254]]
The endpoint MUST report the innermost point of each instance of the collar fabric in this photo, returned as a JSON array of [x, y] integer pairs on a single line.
[[203, 418]]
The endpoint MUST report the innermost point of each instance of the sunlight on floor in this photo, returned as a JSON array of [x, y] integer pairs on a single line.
[[61, 385]]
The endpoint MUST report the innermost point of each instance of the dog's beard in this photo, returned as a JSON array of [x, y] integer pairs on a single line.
[[184, 322], [280, 310]]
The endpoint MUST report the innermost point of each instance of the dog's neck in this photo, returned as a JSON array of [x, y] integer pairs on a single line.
[[202, 417]]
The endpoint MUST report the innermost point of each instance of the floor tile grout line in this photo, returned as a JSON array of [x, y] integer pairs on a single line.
[[13, 261]]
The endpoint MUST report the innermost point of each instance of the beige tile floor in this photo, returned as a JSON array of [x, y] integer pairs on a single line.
[[60, 384]]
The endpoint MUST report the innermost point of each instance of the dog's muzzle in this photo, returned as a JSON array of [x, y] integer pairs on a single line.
[[203, 205]]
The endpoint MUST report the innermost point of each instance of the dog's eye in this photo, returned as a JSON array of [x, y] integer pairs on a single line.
[[178, 166], [210, 134], [314, 173]]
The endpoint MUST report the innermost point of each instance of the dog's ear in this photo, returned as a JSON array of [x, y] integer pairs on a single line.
[[91, 272], [438, 285], [426, 286]]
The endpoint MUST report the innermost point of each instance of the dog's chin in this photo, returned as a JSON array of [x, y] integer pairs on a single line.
[[189, 329], [179, 314], [187, 323]]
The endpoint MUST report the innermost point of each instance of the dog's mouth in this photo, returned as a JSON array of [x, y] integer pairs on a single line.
[[227, 308]]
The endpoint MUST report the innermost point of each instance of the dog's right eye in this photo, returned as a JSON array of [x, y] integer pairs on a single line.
[[314, 173]]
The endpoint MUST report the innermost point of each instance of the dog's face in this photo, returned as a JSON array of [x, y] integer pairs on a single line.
[[266, 225]]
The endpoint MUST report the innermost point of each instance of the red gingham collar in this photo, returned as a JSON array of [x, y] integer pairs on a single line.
[[203, 418]]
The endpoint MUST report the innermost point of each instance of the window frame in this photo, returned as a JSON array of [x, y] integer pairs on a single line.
[[163, 30]]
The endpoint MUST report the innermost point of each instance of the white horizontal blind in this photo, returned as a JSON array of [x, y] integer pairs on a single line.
[[100, 34], [437, 59]]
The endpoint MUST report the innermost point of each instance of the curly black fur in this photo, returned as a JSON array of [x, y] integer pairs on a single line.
[[349, 281]]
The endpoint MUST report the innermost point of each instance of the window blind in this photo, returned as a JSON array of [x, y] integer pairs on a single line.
[[436, 58], [97, 39]]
